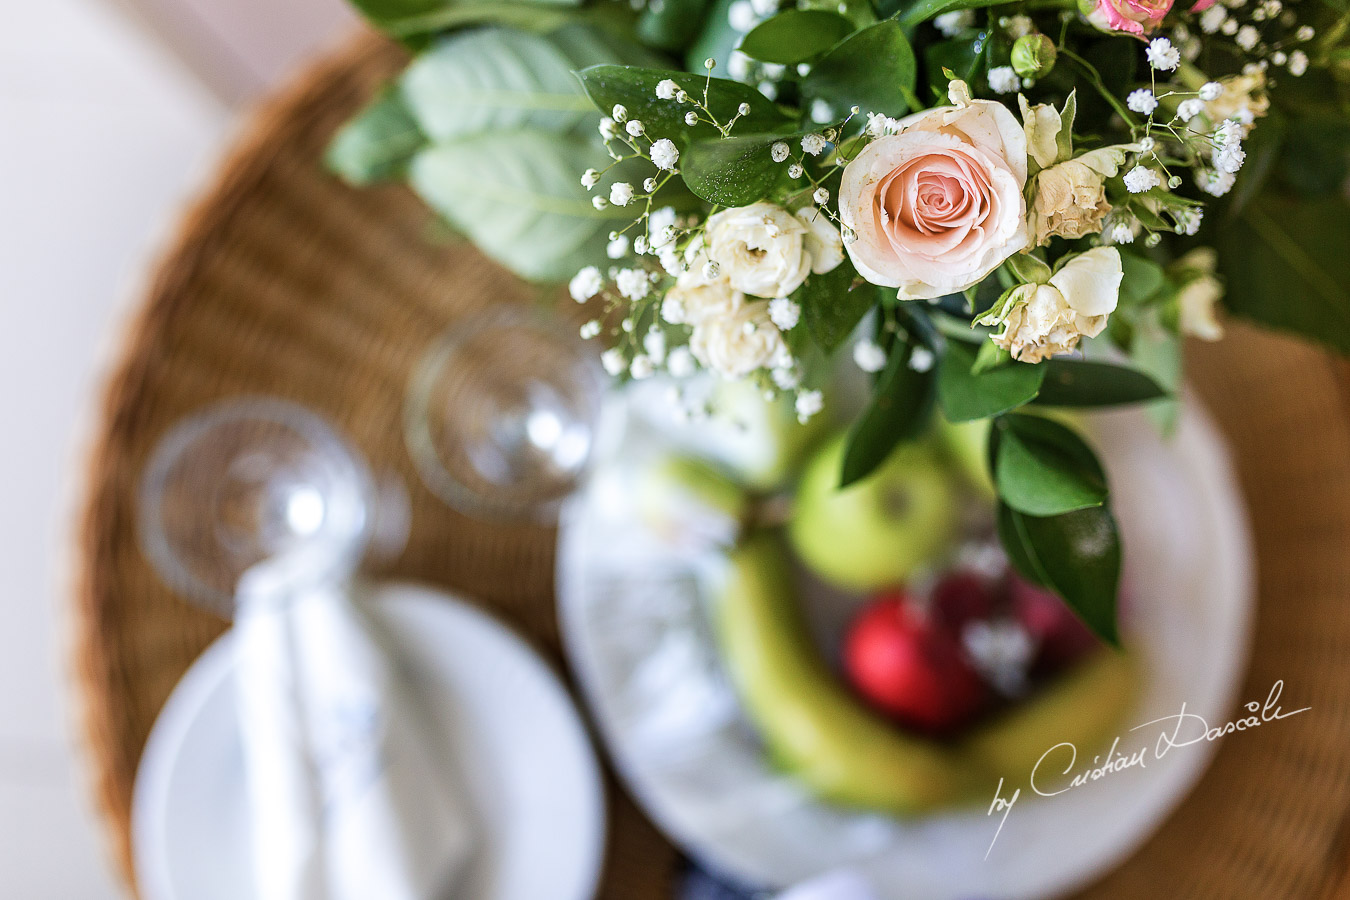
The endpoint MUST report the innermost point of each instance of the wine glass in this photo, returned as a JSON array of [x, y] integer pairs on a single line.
[[501, 412], [259, 487]]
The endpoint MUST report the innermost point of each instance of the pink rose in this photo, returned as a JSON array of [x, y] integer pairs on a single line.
[[1137, 17], [938, 206]]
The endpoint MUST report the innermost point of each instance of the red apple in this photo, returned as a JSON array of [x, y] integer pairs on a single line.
[[1062, 636], [910, 667], [962, 597]]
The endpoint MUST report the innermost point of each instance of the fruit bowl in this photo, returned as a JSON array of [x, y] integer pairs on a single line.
[[638, 609]]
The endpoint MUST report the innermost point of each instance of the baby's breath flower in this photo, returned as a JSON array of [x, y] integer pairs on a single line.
[[681, 97], [868, 356], [1210, 90], [634, 128], [607, 128], [711, 270], [1189, 219], [1146, 145], [649, 184], [809, 403], [1247, 37], [665, 154], [613, 360], [666, 89], [784, 313], [1140, 179], [1017, 26], [654, 342], [1229, 133], [1003, 80], [633, 283], [1162, 55], [599, 202], [921, 359], [1215, 183], [621, 193], [787, 377], [1230, 159], [1120, 233], [951, 23], [743, 109], [821, 196], [1212, 19], [821, 111], [803, 69], [778, 152], [617, 248], [1305, 33], [795, 170], [680, 363], [1298, 63], [642, 367], [590, 329], [1142, 101], [813, 144], [620, 112], [590, 178], [741, 15], [585, 284], [640, 244], [1190, 108], [738, 66], [691, 118]]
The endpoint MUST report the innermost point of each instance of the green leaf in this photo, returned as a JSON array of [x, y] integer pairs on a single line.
[[1076, 555], [734, 171], [900, 408], [923, 10], [1042, 468], [1156, 351], [832, 306], [516, 195], [962, 56], [498, 79], [635, 89], [412, 19], [873, 68], [671, 24], [966, 396], [1083, 382], [1284, 266], [795, 35], [1142, 279], [378, 143]]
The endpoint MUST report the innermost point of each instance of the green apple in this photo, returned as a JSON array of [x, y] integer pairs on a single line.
[[683, 499], [812, 725], [877, 532], [966, 444]]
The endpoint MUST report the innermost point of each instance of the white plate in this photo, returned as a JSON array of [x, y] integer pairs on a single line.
[[638, 638], [518, 745]]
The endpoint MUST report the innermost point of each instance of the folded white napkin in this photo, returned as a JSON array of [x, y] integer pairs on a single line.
[[839, 885], [347, 803]]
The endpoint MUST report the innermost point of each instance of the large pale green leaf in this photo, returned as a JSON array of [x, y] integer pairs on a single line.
[[412, 19], [378, 143], [516, 195], [1284, 263], [497, 79], [1076, 555], [1042, 468], [873, 69], [795, 35]]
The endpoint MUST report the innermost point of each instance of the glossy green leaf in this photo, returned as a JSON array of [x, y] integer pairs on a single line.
[[497, 79], [378, 143], [635, 89], [901, 405], [795, 35], [1042, 468], [734, 171], [1142, 278], [832, 306], [873, 69], [671, 24], [923, 10], [1284, 266], [965, 396], [516, 195], [1083, 382], [1077, 555]]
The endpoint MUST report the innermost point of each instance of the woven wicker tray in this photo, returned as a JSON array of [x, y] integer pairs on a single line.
[[284, 282]]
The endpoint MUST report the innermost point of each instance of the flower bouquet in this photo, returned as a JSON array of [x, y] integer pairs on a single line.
[[994, 206]]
